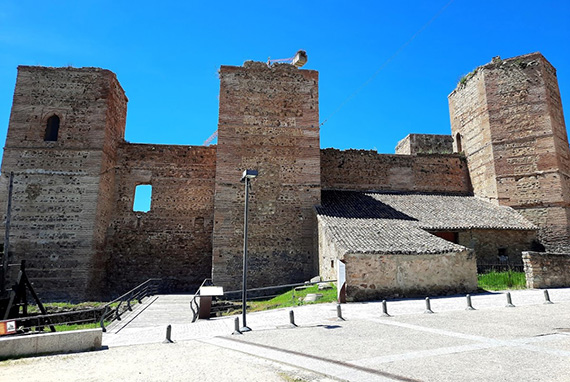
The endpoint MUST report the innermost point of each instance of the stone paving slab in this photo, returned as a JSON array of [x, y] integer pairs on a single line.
[[148, 322], [426, 347], [528, 342]]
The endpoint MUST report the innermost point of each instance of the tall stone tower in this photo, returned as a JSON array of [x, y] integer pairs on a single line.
[[507, 118], [268, 121], [64, 127]]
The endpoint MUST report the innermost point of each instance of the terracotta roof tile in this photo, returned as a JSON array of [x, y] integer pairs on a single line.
[[376, 222]]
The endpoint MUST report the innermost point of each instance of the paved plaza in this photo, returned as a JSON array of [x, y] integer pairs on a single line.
[[530, 341]]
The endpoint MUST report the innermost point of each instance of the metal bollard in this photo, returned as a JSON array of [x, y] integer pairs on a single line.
[[339, 313], [236, 327], [168, 340], [292, 319], [428, 306], [385, 309], [547, 297], [469, 305], [509, 301]]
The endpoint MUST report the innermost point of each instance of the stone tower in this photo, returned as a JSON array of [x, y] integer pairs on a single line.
[[268, 121], [64, 127], [507, 118]]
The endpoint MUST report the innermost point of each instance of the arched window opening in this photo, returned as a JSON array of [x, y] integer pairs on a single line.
[[458, 142], [143, 197], [52, 129]]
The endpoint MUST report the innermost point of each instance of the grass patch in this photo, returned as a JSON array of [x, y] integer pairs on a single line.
[[288, 299], [501, 280], [67, 328]]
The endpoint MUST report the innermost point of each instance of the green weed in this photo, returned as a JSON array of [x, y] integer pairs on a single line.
[[290, 298], [501, 280]]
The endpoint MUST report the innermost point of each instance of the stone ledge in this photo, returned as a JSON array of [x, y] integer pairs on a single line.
[[50, 343]]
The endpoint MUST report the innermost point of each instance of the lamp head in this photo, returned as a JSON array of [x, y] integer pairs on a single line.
[[248, 174]]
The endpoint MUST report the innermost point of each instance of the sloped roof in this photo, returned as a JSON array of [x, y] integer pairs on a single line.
[[376, 222]]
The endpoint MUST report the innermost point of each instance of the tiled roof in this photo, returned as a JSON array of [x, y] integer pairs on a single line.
[[374, 222]]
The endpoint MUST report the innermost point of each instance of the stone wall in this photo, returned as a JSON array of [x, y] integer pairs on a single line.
[[487, 243], [376, 276], [425, 144], [173, 240], [366, 170], [268, 121], [328, 253], [546, 270], [508, 115], [61, 197]]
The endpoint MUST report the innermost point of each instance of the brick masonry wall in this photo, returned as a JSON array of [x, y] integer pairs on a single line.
[[373, 276], [364, 170], [509, 115], [425, 144], [486, 244], [546, 270], [58, 184], [173, 240], [268, 121], [470, 119]]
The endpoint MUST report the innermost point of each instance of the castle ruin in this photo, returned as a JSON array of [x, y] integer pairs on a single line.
[[497, 186]]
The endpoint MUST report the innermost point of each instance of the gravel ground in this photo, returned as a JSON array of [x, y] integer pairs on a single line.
[[182, 361]]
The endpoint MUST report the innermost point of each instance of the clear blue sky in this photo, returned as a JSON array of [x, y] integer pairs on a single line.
[[166, 56]]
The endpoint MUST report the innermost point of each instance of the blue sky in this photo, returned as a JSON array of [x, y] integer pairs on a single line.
[[166, 56]]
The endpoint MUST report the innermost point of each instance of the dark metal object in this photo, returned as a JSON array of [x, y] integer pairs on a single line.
[[547, 297], [509, 301], [385, 309], [469, 304], [339, 313], [19, 299], [168, 339], [108, 312], [428, 307], [260, 295], [194, 306], [292, 319], [102, 319], [247, 176], [499, 267], [236, 326]]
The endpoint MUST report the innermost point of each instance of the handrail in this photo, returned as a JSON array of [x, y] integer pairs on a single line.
[[195, 312], [283, 286], [194, 301], [147, 288], [108, 312]]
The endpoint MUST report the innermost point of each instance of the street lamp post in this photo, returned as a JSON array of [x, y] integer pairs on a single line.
[[247, 175]]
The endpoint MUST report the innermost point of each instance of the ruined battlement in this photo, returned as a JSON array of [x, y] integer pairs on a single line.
[[425, 144], [366, 170]]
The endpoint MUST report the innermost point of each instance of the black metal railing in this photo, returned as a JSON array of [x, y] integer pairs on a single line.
[[269, 291], [499, 267], [194, 305], [103, 315], [230, 298]]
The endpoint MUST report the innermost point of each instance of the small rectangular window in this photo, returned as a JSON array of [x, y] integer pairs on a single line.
[[52, 129], [143, 197]]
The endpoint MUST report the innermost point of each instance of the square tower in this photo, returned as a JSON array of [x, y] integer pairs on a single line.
[[269, 122], [64, 129], [507, 118]]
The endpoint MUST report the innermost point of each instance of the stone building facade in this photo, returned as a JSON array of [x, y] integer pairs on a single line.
[[74, 179]]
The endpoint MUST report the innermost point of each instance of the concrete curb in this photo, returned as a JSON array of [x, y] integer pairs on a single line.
[[50, 343]]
